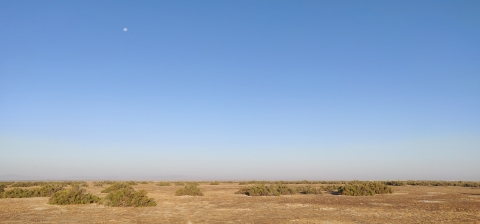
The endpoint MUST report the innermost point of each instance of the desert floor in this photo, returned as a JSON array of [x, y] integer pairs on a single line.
[[408, 204]]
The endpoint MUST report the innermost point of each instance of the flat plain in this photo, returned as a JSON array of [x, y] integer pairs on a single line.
[[220, 204]]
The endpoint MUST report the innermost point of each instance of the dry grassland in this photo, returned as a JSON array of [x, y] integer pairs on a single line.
[[408, 204]]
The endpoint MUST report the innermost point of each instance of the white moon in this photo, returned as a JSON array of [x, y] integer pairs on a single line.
[[125, 29]]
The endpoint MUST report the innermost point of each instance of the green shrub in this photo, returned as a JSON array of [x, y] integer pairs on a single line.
[[45, 191], [179, 183], [128, 197], [265, 190], [97, 184], [395, 183], [2, 188], [75, 195], [330, 188], [364, 189], [309, 190], [116, 186], [131, 182], [215, 183], [108, 182], [163, 184], [142, 182], [27, 184], [189, 189]]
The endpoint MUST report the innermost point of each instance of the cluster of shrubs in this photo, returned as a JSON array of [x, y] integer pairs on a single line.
[[2, 188], [215, 183], [443, 183], [75, 195], [44, 191], [123, 195], [267, 190], [179, 183], [43, 183], [291, 182], [164, 183], [189, 189], [364, 189], [309, 190]]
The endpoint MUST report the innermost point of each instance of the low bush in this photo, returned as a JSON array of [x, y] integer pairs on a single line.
[[128, 197], [163, 184], [75, 195], [27, 184], [97, 184], [179, 183], [142, 182], [131, 182], [45, 191], [364, 189], [309, 190], [116, 186], [189, 189], [329, 188], [107, 182], [2, 188], [395, 183], [215, 183], [267, 190]]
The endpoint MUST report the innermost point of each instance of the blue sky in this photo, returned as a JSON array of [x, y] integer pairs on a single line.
[[241, 89]]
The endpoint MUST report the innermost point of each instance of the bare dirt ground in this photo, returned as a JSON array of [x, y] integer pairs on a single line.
[[409, 204]]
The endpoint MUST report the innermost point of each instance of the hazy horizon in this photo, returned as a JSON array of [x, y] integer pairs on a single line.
[[264, 90]]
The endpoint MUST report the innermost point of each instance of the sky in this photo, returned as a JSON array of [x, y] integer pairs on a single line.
[[241, 90]]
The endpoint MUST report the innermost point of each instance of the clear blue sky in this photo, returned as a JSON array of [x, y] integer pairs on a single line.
[[241, 89]]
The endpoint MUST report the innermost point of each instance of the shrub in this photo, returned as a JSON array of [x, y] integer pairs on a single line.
[[309, 190], [143, 182], [128, 197], [45, 191], [75, 195], [163, 184], [97, 184], [364, 189], [27, 184], [264, 190], [179, 183], [116, 186], [395, 183], [108, 182], [215, 183], [330, 188], [131, 182], [189, 189]]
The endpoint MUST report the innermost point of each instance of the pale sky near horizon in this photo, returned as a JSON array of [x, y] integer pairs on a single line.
[[322, 90]]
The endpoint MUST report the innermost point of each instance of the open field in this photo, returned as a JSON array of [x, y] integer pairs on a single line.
[[220, 204]]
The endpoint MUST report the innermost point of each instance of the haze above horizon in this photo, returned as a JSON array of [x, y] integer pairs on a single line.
[[316, 90]]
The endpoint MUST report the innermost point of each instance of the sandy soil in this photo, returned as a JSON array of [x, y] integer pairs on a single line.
[[409, 204]]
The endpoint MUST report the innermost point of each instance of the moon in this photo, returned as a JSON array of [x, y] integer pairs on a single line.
[[125, 29]]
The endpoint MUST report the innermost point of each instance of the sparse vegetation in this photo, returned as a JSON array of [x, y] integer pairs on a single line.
[[395, 183], [215, 183], [128, 197], [75, 195], [189, 189], [45, 191], [364, 189], [309, 190], [2, 188], [179, 183], [267, 190], [116, 186], [163, 184], [97, 184]]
